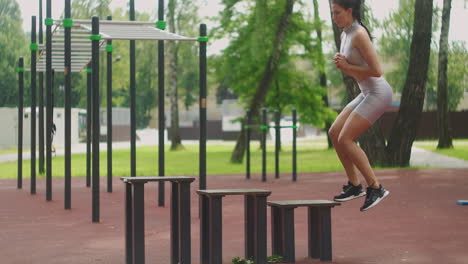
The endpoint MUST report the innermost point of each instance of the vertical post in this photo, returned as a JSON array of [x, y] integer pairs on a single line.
[[184, 223], [95, 62], [247, 144], [89, 123], [249, 226], [205, 224], [175, 223], [294, 150], [314, 247], [325, 237], [67, 73], [203, 40], [128, 224], [49, 114], [138, 207], [276, 231], [161, 108], [277, 142], [41, 100], [109, 113], [288, 235], [215, 230], [132, 98], [33, 104], [20, 120], [264, 131], [260, 230]]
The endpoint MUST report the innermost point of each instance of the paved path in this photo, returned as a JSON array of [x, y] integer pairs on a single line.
[[422, 157]]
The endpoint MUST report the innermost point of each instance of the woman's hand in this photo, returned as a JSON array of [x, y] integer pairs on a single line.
[[340, 61]]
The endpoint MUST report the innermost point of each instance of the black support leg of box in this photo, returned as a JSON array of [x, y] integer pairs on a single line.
[[288, 235], [138, 223], [314, 232], [326, 242], [261, 230], [216, 234], [175, 223], [276, 231], [128, 224], [204, 230], [249, 226], [184, 223]]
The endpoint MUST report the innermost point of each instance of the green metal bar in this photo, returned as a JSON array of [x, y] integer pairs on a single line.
[[264, 122], [96, 123], [247, 145], [294, 150], [109, 113], [203, 103], [20, 121], [33, 104], [67, 73], [161, 116], [277, 142], [49, 113]]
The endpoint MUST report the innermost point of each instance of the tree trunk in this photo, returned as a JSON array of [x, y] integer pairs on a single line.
[[371, 141], [267, 76], [176, 141], [322, 72], [412, 99], [443, 124]]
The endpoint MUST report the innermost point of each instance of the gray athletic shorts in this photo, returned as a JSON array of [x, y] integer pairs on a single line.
[[375, 98]]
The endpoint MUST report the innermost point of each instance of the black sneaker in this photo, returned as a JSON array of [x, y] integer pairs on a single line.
[[373, 197], [350, 192]]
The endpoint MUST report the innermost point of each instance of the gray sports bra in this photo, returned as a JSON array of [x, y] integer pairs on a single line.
[[353, 56]]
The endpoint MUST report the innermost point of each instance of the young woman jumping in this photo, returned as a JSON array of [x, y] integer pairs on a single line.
[[358, 58]]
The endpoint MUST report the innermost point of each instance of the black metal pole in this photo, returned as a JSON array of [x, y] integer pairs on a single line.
[[294, 158], [33, 104], [41, 100], [161, 116], [109, 113], [20, 120], [247, 155], [264, 131], [277, 142], [67, 73], [202, 106], [96, 133], [132, 98], [89, 123], [49, 116]]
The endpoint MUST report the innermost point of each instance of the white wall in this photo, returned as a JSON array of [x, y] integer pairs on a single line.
[[9, 121], [9, 131]]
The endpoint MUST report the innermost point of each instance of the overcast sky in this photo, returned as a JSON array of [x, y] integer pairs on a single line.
[[380, 8]]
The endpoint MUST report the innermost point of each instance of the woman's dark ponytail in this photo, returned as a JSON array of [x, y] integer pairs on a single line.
[[356, 6]]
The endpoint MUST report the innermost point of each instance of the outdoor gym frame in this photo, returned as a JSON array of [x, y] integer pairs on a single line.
[[264, 127], [77, 54]]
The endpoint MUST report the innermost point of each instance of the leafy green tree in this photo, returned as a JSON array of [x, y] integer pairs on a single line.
[[265, 68], [394, 45], [13, 44], [401, 139], [443, 124], [182, 19], [456, 72]]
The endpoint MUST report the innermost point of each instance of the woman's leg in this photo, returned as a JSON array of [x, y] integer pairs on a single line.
[[334, 132], [354, 126]]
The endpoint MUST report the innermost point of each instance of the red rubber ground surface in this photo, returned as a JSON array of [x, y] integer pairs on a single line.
[[419, 222]]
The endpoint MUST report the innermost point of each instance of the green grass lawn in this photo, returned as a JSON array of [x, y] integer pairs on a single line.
[[460, 148], [186, 162]]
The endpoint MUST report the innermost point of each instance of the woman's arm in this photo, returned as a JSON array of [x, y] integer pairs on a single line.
[[362, 43]]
